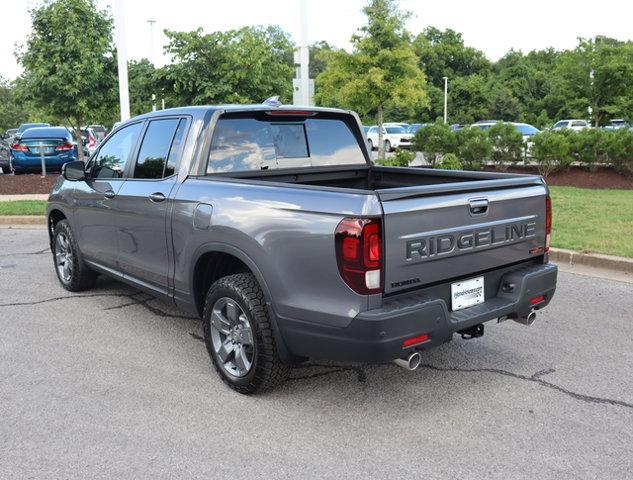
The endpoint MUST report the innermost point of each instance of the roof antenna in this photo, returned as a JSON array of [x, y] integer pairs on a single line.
[[273, 101]]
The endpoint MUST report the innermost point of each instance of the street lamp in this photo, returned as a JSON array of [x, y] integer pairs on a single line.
[[445, 100], [151, 55]]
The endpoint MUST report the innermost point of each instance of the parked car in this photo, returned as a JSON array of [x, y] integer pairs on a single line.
[[572, 125], [484, 124], [617, 124], [99, 131], [524, 129], [56, 143], [89, 139], [414, 127], [392, 136], [25, 126], [9, 135], [5, 157], [274, 226]]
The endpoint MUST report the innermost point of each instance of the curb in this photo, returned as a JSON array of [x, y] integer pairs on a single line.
[[595, 260], [22, 220]]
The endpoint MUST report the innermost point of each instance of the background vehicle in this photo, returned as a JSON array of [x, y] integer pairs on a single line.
[[5, 157], [25, 126], [9, 135], [571, 124], [414, 127], [617, 124], [484, 124], [274, 226], [100, 132], [393, 137], [55, 142], [89, 139]]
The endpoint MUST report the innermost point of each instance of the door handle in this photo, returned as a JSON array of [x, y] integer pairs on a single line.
[[109, 194], [157, 197], [478, 206]]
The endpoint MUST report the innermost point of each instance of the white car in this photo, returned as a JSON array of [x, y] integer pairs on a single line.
[[572, 125], [393, 137]]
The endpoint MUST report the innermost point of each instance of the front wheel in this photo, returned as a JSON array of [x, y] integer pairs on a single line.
[[387, 146], [239, 335], [72, 271], [370, 144]]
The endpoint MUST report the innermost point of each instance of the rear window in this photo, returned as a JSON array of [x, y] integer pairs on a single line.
[[578, 123], [243, 144], [527, 129]]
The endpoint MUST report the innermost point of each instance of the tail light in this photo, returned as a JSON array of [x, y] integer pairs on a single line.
[[64, 147], [548, 222], [19, 147], [359, 254]]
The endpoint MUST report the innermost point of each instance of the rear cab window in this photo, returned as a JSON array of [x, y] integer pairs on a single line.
[[259, 141]]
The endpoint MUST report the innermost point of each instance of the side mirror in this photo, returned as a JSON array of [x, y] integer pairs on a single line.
[[74, 171]]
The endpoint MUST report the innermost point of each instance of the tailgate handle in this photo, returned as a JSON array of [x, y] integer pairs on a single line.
[[478, 206]]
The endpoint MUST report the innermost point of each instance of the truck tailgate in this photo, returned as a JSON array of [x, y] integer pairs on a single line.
[[441, 236]]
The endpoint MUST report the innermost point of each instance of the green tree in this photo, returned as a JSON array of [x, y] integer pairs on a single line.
[[552, 151], [12, 111], [434, 141], [507, 144], [443, 54], [142, 83], [472, 147], [246, 65], [319, 57], [68, 62], [382, 70]]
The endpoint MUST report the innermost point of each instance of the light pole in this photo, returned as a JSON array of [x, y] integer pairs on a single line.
[[445, 100], [124, 94], [151, 55]]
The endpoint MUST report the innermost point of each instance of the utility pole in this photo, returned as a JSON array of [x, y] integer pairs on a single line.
[[303, 86], [119, 27], [151, 55], [445, 100]]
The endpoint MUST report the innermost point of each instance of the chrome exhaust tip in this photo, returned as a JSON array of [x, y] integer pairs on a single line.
[[410, 362], [527, 321]]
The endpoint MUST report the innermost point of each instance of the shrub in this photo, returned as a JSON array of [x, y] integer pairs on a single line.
[[551, 149], [507, 144], [402, 158], [434, 141], [450, 162], [589, 146], [619, 149], [473, 147]]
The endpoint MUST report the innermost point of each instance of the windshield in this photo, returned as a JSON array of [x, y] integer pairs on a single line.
[[395, 130], [256, 142], [526, 129]]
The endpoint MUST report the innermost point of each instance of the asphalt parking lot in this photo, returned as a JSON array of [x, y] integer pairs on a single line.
[[114, 384]]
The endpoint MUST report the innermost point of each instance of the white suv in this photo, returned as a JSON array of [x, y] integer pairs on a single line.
[[571, 124], [393, 136]]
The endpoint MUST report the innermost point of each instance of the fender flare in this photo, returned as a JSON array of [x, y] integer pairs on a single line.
[[211, 247]]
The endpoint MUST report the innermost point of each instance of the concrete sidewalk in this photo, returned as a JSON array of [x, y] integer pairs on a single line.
[[27, 196]]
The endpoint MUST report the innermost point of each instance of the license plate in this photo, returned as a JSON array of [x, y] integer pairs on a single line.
[[42, 149], [467, 293]]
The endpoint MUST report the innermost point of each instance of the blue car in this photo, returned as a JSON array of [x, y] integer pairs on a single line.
[[55, 143]]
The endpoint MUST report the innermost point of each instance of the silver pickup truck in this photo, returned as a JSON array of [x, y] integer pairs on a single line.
[[274, 226]]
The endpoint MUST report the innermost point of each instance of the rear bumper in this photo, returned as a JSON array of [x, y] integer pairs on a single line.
[[23, 163], [377, 335]]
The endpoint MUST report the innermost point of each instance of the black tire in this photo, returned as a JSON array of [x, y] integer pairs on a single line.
[[371, 145], [266, 370], [81, 277], [387, 146], [6, 170]]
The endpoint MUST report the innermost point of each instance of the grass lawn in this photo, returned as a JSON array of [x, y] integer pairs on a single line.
[[23, 207], [599, 221]]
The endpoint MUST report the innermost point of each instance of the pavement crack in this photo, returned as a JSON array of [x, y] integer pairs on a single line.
[[56, 299], [536, 378]]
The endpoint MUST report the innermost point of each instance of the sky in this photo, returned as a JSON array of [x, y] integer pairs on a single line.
[[493, 26]]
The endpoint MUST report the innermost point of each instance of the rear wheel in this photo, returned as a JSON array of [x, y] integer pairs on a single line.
[[371, 145], [72, 272], [387, 146], [6, 170], [239, 335]]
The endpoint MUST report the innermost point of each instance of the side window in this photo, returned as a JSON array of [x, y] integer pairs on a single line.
[[579, 123], [113, 155], [174, 151], [154, 150], [560, 125]]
